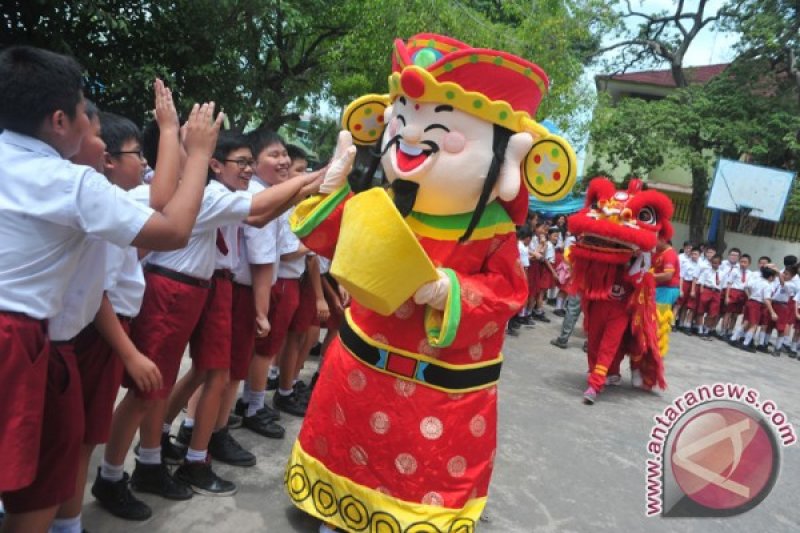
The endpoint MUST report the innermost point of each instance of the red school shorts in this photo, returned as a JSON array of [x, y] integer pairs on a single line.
[[60, 445], [170, 311], [101, 372], [534, 271], [210, 343], [306, 315], [284, 301], [545, 279], [685, 299], [782, 310], [752, 312], [736, 301], [709, 302], [24, 353], [243, 330]]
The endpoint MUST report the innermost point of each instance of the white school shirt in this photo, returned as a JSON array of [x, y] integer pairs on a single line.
[[84, 293], [219, 207], [779, 293], [703, 262], [523, 254], [550, 253], [725, 268], [690, 270], [257, 246], [759, 288], [291, 268], [230, 260], [325, 265], [794, 286], [124, 281], [731, 274], [710, 278], [47, 207]]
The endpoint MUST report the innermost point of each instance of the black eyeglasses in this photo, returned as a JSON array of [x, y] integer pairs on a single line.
[[242, 163], [138, 153]]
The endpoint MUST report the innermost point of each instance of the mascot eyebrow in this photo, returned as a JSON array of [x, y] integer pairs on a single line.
[[443, 107]]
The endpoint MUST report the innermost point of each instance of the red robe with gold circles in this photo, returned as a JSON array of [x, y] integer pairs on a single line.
[[380, 448]]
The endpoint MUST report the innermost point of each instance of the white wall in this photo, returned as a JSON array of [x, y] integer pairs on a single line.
[[748, 244]]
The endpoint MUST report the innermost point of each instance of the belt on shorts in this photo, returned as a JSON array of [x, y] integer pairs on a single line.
[[223, 273], [177, 276], [414, 368], [706, 287]]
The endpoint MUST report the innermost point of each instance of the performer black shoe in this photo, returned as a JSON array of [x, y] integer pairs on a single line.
[[156, 479], [559, 343]]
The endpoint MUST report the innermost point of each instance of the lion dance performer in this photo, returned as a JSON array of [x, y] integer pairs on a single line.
[[400, 433], [617, 232]]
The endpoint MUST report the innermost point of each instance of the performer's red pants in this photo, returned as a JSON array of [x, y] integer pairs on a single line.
[[608, 321]]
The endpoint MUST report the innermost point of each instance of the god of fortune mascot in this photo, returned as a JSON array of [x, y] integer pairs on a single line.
[[617, 232], [400, 433]]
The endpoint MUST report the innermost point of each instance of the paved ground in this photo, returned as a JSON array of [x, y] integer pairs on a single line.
[[561, 466]]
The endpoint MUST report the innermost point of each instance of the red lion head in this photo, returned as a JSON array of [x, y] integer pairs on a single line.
[[612, 226]]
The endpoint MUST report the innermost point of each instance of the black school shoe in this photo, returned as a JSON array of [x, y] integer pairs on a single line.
[[156, 479], [116, 498], [202, 479], [272, 383], [763, 348], [264, 426], [316, 349], [183, 439], [223, 448], [170, 453], [265, 412], [291, 404], [540, 317], [234, 421]]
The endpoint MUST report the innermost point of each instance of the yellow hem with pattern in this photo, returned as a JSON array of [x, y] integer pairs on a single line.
[[345, 504]]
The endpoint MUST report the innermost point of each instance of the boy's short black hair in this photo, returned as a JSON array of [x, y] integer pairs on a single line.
[[746, 256], [552, 230], [227, 142], [710, 246], [738, 251], [523, 232], [34, 84], [696, 249], [116, 131], [263, 138], [765, 258], [295, 153], [717, 257], [789, 260], [687, 243], [792, 269]]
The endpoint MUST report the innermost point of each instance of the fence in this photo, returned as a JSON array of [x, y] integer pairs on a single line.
[[785, 230]]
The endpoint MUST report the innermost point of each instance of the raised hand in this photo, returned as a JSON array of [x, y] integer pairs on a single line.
[[202, 130], [165, 112]]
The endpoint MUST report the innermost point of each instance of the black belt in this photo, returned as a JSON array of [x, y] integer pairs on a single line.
[[177, 276], [711, 288], [223, 273], [425, 372]]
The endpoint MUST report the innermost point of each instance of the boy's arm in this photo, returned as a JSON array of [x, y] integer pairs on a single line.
[[262, 286], [332, 295], [312, 265], [772, 312], [165, 175], [270, 203], [143, 371], [171, 229]]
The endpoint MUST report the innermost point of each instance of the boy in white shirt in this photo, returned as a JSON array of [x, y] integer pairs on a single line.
[[708, 286], [47, 208], [758, 290], [687, 301], [735, 297], [780, 313]]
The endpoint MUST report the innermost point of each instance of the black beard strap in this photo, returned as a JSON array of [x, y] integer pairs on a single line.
[[405, 194]]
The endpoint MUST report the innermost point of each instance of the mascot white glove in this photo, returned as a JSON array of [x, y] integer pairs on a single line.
[[340, 165], [434, 293]]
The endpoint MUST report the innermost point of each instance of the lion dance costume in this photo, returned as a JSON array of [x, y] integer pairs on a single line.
[[616, 232], [400, 433]]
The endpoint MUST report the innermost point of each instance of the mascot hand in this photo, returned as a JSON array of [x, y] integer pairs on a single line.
[[340, 165], [434, 293]]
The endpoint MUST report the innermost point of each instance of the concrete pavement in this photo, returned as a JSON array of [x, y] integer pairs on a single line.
[[561, 466]]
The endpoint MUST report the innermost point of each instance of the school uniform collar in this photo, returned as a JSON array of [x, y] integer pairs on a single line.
[[29, 143]]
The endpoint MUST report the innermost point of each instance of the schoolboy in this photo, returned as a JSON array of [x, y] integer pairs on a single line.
[[687, 300], [735, 296], [45, 224], [708, 286], [758, 289], [177, 289]]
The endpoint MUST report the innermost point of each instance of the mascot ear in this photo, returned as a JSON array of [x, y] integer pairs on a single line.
[[600, 188], [508, 183], [550, 168], [364, 118]]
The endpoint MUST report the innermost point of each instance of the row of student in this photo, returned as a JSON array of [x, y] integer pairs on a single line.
[[715, 293], [72, 287]]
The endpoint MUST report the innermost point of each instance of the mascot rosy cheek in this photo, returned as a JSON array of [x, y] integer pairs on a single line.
[[400, 434], [617, 232]]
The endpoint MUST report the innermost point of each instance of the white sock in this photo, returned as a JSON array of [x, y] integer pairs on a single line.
[[285, 392], [256, 402], [779, 343], [111, 472], [66, 525], [274, 372], [166, 428], [794, 346], [150, 456], [737, 332], [196, 456], [748, 337], [188, 422], [760, 338], [560, 302]]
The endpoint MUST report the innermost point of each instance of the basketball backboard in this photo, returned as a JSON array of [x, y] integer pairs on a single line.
[[738, 185]]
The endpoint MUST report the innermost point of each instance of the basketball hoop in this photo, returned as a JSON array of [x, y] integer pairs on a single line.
[[747, 222]]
